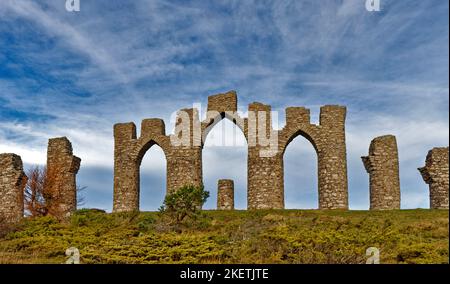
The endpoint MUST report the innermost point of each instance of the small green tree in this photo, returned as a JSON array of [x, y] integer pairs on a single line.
[[184, 203]]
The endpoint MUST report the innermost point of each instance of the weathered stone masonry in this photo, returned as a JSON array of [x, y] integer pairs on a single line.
[[265, 173], [225, 194], [382, 166], [435, 174], [12, 184], [62, 167], [183, 162], [328, 139]]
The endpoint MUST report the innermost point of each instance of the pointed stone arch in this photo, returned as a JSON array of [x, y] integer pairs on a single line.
[[328, 139], [183, 163], [265, 173], [128, 153], [222, 106]]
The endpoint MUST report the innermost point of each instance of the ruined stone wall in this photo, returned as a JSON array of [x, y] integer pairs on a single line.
[[265, 168], [435, 174], [265, 163], [328, 139], [225, 194], [183, 158], [12, 184], [126, 171], [332, 158], [62, 168], [383, 168], [221, 103]]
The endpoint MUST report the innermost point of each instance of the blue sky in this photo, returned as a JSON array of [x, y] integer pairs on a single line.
[[76, 74]]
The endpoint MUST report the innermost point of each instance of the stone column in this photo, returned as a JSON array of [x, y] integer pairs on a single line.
[[264, 172], [62, 168], [184, 167], [126, 169], [12, 185], [332, 159], [184, 163], [382, 166], [435, 174], [225, 194]]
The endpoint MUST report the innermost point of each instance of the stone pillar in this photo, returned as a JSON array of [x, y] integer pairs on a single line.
[[435, 174], [332, 159], [62, 168], [264, 172], [126, 169], [225, 194], [12, 185], [382, 166], [184, 163], [184, 167]]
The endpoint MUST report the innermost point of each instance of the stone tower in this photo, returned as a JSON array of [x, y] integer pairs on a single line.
[[383, 168], [435, 174], [12, 184], [62, 167]]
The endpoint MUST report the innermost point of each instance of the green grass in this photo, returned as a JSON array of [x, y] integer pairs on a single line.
[[267, 236]]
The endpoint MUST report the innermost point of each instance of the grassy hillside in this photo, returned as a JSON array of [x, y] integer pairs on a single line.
[[273, 236]]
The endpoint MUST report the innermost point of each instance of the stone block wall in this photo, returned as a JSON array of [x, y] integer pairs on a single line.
[[328, 139], [264, 172], [332, 158], [265, 163], [184, 162], [62, 168], [12, 185], [223, 102], [435, 174], [225, 194], [383, 168]]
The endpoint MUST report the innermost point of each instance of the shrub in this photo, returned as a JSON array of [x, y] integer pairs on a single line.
[[183, 204]]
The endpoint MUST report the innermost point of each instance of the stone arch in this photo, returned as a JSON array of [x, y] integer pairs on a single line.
[[152, 167], [265, 175], [230, 169], [328, 138], [211, 121], [294, 133], [222, 106], [301, 134], [128, 153], [145, 143]]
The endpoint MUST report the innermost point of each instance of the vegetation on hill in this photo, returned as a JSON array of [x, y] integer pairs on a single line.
[[266, 236]]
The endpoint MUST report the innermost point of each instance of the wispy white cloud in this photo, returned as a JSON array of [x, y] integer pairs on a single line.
[[76, 74]]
